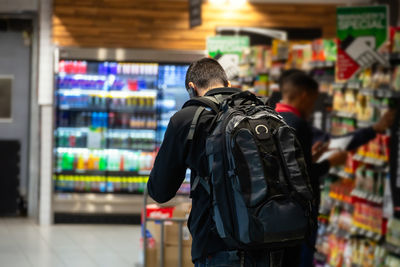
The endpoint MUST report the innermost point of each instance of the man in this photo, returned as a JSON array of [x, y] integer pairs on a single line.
[[359, 137], [299, 94], [204, 77]]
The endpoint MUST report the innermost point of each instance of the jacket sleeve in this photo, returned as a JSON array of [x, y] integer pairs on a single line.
[[169, 167], [361, 137], [320, 169]]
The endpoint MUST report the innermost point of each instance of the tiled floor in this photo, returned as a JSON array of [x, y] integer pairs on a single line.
[[25, 244]]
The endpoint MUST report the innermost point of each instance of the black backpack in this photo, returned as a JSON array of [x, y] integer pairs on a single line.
[[257, 179]]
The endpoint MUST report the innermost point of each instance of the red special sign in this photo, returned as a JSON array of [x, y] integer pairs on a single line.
[[346, 66]]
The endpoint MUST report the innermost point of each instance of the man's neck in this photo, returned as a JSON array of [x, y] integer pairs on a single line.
[[204, 92], [293, 105]]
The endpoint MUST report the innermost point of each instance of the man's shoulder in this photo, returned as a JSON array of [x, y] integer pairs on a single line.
[[184, 115], [294, 121]]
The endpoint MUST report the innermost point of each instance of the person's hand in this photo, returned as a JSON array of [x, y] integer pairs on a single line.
[[385, 122], [318, 149], [338, 158]]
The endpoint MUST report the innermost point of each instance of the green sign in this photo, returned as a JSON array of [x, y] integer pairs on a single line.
[[221, 45], [361, 31], [228, 50]]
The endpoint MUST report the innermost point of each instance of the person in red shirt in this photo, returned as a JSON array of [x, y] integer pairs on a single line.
[[299, 94]]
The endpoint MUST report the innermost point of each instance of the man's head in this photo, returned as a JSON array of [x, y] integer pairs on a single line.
[[205, 74], [300, 91], [285, 74]]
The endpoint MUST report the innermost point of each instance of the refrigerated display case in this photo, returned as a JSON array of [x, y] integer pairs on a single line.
[[110, 119]]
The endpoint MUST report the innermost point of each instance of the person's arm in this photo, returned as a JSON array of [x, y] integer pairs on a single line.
[[169, 168], [364, 135], [361, 137]]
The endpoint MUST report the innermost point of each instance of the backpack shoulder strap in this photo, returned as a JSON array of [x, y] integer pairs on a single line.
[[202, 103], [205, 101], [193, 125]]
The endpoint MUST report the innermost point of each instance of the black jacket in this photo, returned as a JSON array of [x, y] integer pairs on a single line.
[[305, 135], [168, 173], [308, 135]]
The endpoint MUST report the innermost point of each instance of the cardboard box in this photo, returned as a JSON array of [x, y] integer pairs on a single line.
[[154, 228], [171, 234], [152, 257], [171, 256], [182, 210]]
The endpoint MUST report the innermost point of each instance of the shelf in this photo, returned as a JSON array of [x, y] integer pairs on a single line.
[[364, 124], [367, 197], [86, 129], [322, 64], [108, 149], [105, 109], [356, 231], [99, 193], [370, 161], [342, 233], [109, 203], [344, 114], [112, 93], [383, 92], [342, 174], [392, 249], [102, 173]]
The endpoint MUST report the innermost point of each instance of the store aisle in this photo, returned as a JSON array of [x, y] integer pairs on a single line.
[[25, 244]]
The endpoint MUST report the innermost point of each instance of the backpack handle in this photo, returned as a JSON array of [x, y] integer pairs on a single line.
[[246, 96]]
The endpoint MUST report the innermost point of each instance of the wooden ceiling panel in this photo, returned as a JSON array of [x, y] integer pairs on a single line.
[[164, 24]]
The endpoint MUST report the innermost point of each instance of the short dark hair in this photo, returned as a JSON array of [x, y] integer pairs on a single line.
[[205, 73], [300, 82], [285, 74]]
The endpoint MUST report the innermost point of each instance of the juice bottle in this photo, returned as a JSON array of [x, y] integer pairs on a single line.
[[81, 163], [90, 162], [121, 163]]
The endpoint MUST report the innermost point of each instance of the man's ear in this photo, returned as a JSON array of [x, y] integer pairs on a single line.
[[191, 85], [229, 84]]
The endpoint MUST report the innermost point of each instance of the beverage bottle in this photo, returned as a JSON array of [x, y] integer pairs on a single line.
[[71, 161], [64, 161], [87, 185], [135, 161], [81, 163], [72, 140], [102, 162], [105, 119], [117, 184], [121, 163], [96, 161], [90, 162], [61, 66], [111, 119], [110, 184], [102, 185], [130, 187], [59, 161]]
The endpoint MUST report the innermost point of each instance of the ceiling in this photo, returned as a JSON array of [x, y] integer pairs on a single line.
[[314, 1]]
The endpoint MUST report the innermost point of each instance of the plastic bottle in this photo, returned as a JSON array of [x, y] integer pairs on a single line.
[[81, 163], [102, 184], [110, 184], [102, 162]]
